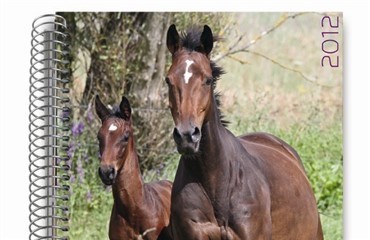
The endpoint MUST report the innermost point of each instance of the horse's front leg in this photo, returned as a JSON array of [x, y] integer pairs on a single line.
[[251, 220], [192, 215], [193, 229]]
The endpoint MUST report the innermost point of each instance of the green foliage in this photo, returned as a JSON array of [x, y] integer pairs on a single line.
[[91, 202], [321, 153]]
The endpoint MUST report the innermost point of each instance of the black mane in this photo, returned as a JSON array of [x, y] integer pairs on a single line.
[[118, 114], [190, 40], [115, 112]]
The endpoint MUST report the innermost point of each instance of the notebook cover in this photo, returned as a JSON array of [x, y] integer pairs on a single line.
[[283, 75]]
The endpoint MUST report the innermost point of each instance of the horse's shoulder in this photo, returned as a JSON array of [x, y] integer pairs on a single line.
[[159, 186], [270, 142], [158, 190], [164, 183]]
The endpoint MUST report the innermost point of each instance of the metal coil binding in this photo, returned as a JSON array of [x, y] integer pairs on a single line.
[[49, 128]]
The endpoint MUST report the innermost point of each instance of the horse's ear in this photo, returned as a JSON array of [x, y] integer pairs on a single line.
[[102, 111], [207, 39], [173, 39], [125, 108]]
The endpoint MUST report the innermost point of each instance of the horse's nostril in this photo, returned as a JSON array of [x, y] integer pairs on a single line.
[[107, 172], [176, 134], [192, 135], [112, 172], [195, 136]]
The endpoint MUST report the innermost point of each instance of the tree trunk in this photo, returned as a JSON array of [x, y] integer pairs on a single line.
[[146, 89]]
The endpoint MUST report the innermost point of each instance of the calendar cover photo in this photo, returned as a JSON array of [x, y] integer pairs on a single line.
[[205, 125]]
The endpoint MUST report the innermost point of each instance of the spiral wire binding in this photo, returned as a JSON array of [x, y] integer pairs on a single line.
[[49, 128]]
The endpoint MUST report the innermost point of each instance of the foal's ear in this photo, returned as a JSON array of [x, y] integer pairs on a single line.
[[102, 111], [173, 39], [207, 39], [125, 108]]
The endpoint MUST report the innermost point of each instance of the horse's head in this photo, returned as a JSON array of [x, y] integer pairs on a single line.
[[190, 83], [113, 136]]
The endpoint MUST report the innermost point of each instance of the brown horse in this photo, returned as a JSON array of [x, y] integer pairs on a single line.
[[227, 187], [140, 210]]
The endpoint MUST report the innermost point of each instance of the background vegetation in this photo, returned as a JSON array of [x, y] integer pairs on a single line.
[[274, 83]]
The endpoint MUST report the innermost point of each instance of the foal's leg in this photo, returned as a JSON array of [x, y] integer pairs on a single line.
[[118, 228]]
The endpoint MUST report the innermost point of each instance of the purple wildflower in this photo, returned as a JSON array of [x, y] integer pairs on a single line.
[[89, 196], [77, 128], [72, 179], [71, 149], [80, 171], [69, 162], [85, 156], [90, 115]]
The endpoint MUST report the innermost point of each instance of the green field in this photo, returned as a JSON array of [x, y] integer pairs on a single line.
[[278, 87]]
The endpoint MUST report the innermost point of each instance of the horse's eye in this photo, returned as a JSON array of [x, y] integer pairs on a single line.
[[209, 81], [125, 137]]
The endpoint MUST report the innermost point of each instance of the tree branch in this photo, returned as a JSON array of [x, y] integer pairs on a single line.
[[305, 77], [233, 49]]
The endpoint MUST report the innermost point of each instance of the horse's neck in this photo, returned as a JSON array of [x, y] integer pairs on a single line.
[[212, 150], [128, 189], [217, 148]]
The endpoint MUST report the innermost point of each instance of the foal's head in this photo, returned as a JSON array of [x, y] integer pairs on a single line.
[[113, 136], [190, 82]]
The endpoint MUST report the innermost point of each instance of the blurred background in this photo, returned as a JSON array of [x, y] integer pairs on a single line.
[[274, 82]]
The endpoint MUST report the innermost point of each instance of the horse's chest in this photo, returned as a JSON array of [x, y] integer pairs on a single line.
[[220, 217]]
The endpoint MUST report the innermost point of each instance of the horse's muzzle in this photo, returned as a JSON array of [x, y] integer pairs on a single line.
[[107, 174], [187, 141]]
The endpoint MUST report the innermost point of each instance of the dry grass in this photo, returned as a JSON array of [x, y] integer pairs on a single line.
[[283, 95]]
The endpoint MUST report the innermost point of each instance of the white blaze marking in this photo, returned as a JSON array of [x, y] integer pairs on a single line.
[[188, 74], [112, 127]]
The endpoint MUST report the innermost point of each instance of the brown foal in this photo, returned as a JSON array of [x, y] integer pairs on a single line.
[[140, 210]]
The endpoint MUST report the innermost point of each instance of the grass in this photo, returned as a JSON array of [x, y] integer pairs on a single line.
[[321, 153], [258, 96]]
